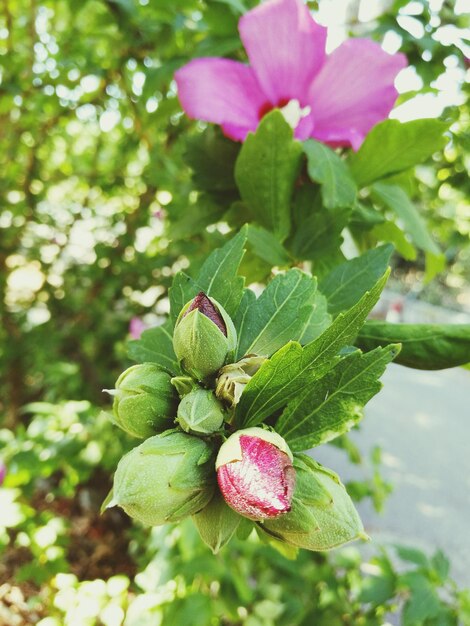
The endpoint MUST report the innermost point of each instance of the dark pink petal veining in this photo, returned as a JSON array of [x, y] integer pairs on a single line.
[[204, 305], [261, 484]]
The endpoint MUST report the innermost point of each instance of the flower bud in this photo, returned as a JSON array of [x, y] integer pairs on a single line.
[[255, 473], [144, 400], [166, 478], [322, 516], [234, 377], [204, 337], [200, 413]]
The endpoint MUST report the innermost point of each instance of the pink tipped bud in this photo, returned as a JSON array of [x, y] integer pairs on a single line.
[[255, 473], [202, 303]]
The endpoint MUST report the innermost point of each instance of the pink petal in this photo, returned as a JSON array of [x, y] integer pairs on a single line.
[[304, 128], [285, 46], [238, 133], [136, 327], [261, 485], [223, 92], [353, 91]]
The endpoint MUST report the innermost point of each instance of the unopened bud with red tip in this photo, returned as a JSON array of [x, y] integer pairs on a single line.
[[204, 337], [255, 473]]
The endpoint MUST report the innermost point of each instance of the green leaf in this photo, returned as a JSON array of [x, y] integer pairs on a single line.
[[265, 245], [424, 346], [278, 315], [235, 4], [183, 289], [216, 523], [377, 589], [155, 345], [333, 405], [412, 555], [217, 278], [396, 199], [435, 263], [317, 231], [318, 321], [424, 602], [441, 565], [247, 300], [204, 212], [195, 608], [389, 231], [266, 170], [287, 372], [325, 167], [365, 217], [347, 283], [393, 146], [212, 158]]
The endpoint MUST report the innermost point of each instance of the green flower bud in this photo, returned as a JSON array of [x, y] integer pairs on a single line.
[[234, 377], [144, 400], [165, 479], [200, 413], [204, 337], [322, 516]]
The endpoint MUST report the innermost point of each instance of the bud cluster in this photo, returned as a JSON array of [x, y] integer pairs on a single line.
[[192, 461]]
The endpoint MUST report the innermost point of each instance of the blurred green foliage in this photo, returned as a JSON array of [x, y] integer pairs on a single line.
[[101, 172], [94, 154]]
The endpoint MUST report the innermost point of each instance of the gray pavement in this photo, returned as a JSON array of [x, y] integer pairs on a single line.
[[421, 420]]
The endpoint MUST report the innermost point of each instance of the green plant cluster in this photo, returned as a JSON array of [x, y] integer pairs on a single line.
[[294, 349], [100, 172]]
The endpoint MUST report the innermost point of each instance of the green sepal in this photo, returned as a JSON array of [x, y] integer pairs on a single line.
[[288, 551], [216, 523], [245, 529], [321, 491], [107, 502], [183, 385]]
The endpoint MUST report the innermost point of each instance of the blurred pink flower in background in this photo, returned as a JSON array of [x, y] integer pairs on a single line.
[[137, 327], [334, 98], [3, 472]]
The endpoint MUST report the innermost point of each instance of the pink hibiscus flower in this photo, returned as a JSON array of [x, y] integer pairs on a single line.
[[136, 327], [334, 98]]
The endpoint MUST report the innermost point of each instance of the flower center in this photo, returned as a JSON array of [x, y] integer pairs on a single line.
[[293, 113], [291, 110]]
